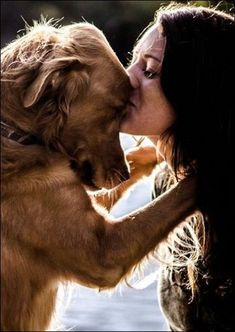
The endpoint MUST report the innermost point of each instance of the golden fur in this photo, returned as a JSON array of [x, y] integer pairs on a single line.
[[66, 87]]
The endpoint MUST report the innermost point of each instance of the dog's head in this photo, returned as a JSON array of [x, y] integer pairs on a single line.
[[74, 88]]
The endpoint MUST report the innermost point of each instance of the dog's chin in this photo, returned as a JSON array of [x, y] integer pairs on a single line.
[[89, 187]]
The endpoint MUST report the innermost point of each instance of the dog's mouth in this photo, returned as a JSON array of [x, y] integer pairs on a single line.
[[86, 174]]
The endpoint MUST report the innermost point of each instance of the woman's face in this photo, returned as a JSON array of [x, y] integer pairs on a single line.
[[148, 113]]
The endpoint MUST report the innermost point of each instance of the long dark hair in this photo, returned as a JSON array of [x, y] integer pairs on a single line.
[[197, 75]]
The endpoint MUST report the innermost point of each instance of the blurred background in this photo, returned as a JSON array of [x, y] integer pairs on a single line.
[[121, 21], [79, 308]]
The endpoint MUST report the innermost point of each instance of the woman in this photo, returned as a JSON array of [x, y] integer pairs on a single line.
[[183, 101]]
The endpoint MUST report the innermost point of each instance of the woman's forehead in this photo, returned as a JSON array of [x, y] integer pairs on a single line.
[[151, 41]]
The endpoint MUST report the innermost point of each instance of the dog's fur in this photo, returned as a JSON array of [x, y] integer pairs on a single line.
[[66, 87]]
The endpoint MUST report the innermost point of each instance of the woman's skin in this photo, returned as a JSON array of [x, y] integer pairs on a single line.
[[148, 113]]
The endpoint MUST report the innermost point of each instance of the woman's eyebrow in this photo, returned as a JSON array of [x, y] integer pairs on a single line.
[[152, 56], [146, 55]]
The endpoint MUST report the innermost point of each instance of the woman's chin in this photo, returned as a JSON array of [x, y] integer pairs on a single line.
[[130, 125], [126, 126]]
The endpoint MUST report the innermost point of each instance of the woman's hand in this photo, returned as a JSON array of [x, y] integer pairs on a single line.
[[142, 161]]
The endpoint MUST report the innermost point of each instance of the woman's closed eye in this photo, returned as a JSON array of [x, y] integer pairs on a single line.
[[149, 73]]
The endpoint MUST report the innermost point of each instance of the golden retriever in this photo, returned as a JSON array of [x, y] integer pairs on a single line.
[[64, 95]]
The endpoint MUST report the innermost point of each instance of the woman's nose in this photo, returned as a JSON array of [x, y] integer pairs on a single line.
[[132, 72]]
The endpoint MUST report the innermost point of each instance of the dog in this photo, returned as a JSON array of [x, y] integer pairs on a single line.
[[64, 94]]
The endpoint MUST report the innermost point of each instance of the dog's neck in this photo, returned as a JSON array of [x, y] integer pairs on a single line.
[[18, 135]]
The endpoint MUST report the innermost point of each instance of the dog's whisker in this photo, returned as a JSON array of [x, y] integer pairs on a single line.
[[113, 193], [119, 175]]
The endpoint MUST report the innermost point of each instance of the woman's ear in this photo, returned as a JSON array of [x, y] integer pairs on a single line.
[[44, 77]]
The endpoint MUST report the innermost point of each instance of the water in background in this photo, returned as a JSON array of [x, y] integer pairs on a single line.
[[125, 308]]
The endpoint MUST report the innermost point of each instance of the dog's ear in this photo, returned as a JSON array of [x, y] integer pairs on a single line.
[[35, 90], [44, 77]]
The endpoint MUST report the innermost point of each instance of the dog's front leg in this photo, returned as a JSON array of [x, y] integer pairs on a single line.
[[98, 251], [133, 236], [78, 242]]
